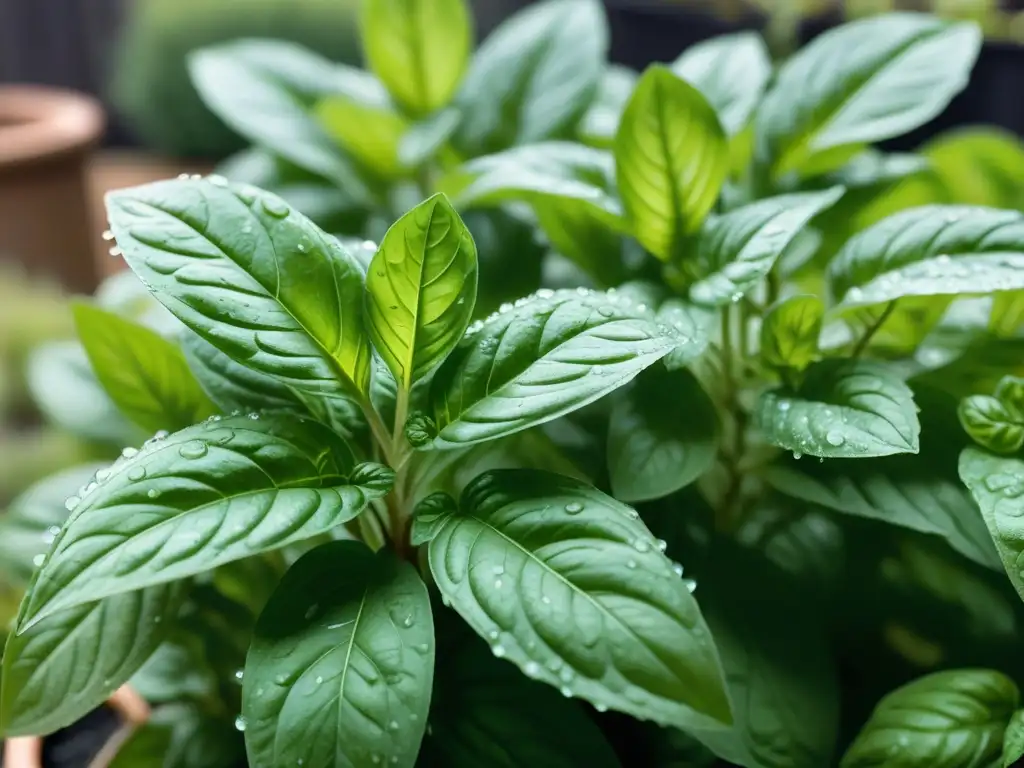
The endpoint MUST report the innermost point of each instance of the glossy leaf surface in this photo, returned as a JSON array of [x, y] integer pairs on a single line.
[[790, 331]]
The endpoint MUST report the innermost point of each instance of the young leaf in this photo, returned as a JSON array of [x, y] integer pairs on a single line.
[[569, 585], [145, 374], [1013, 740], [932, 250], [994, 483], [430, 516], [547, 356], [790, 331], [534, 76], [369, 130], [342, 662], [202, 497], [991, 424], [421, 289], [251, 276], [902, 70], [671, 159], [60, 668], [952, 719], [418, 48], [663, 435], [731, 71], [738, 250], [844, 409]]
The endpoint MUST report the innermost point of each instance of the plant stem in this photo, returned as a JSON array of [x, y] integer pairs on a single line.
[[873, 329], [380, 432], [401, 414], [732, 457]]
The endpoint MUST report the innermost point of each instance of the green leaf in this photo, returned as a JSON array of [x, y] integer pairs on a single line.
[[698, 324], [903, 71], [1013, 740], [342, 662], [979, 165], [549, 355], [430, 516], [662, 436], [182, 735], [991, 424], [368, 129], [418, 48], [952, 719], [251, 276], [601, 122], [421, 289], [731, 71], [790, 331], [144, 374], [202, 497], [994, 483], [844, 409], [932, 250], [533, 77], [263, 90], [737, 250], [913, 492], [671, 159], [33, 519], [59, 668], [422, 141], [486, 713], [569, 585]]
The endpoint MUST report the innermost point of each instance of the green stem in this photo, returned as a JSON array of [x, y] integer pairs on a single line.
[[873, 329], [732, 455]]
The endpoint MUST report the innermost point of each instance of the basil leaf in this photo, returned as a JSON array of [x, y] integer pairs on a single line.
[[698, 324], [952, 719], [59, 668], [569, 585], [908, 491], [263, 90], [342, 662], [671, 159], [906, 69], [994, 484], [1013, 740], [419, 49], [551, 354], [731, 71], [254, 278], [421, 289], [738, 250], [144, 374], [933, 250], [844, 409], [790, 332], [992, 424], [423, 140], [662, 436], [533, 77], [601, 122], [204, 496], [369, 130]]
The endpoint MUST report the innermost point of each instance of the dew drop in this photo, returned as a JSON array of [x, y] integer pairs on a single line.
[[835, 438], [662, 545], [493, 634], [102, 474], [375, 759], [566, 691], [641, 545], [281, 679], [275, 207], [319, 679], [38, 560], [301, 248], [130, 452], [497, 583], [422, 648], [566, 675], [499, 569], [194, 449], [532, 669], [498, 651], [573, 508], [797, 455], [677, 569], [546, 600], [605, 311], [239, 674], [601, 707], [691, 584], [254, 416], [116, 251], [407, 621], [153, 493], [393, 725], [240, 723], [72, 503], [108, 235], [137, 473], [631, 564]]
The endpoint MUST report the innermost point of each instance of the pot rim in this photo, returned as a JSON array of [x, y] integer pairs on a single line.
[[41, 122]]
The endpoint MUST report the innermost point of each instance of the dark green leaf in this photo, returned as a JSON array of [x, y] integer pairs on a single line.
[[671, 159], [790, 331], [844, 409], [254, 278], [663, 435], [696, 323], [204, 496], [545, 357], [1013, 740], [569, 585], [421, 289], [951, 719], [430, 516], [991, 424]]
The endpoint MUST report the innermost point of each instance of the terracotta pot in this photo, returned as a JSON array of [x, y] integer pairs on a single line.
[[46, 137]]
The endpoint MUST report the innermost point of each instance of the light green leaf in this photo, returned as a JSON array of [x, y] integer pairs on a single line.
[[872, 169], [952, 719], [662, 436], [932, 250], [264, 90], [202, 497], [671, 159], [1007, 314], [844, 409], [991, 424], [739, 249], [421, 289], [731, 71], [601, 122], [342, 663], [58, 669], [533, 77], [569, 585], [912, 492], [1013, 740], [549, 355], [995, 485], [979, 165], [369, 130], [419, 48], [698, 324], [903, 69], [251, 276], [145, 374], [790, 331]]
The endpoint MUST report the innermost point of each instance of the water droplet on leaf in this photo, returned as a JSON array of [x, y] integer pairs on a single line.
[[573, 508]]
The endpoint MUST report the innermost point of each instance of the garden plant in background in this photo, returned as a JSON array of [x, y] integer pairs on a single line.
[[373, 527]]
